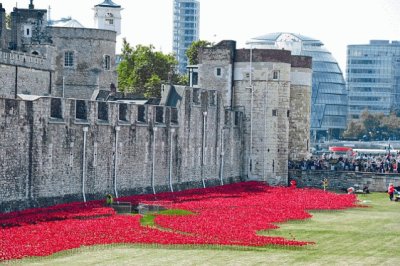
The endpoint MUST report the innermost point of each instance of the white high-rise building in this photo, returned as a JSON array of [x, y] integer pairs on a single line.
[[185, 30], [107, 16]]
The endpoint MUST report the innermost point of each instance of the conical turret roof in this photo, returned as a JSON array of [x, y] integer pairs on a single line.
[[108, 3]]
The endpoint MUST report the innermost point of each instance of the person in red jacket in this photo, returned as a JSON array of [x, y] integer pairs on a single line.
[[293, 183], [391, 191]]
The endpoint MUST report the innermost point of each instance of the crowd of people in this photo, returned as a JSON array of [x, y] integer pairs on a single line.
[[364, 163], [378, 163]]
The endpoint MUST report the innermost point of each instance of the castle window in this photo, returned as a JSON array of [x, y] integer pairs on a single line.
[[107, 62], [109, 18], [218, 72], [56, 108], [123, 112], [193, 78], [174, 116], [212, 98], [141, 117], [102, 112], [274, 112], [27, 31], [80, 110], [227, 117], [275, 75], [237, 118], [69, 59], [159, 114], [11, 106]]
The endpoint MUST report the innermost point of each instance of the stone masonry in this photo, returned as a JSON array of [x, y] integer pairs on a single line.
[[248, 114], [89, 72], [272, 88], [341, 180], [38, 59], [24, 73], [56, 150]]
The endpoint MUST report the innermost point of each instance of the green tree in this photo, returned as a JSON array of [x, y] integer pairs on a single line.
[[374, 126], [392, 125], [142, 70], [355, 130], [192, 52]]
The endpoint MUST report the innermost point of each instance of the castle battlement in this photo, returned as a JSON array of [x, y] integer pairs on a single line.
[[69, 61], [83, 33], [21, 59], [57, 150]]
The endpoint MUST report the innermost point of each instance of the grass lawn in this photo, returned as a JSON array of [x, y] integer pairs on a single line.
[[360, 236]]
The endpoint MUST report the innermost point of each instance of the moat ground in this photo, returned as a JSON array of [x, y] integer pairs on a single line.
[[360, 236]]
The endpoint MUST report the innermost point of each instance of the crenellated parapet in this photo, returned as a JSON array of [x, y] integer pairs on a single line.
[[21, 59], [57, 150]]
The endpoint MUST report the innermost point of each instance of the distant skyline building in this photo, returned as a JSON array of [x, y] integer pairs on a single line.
[[329, 100], [186, 23], [373, 77]]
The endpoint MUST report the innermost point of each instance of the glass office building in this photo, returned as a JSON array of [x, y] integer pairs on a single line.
[[373, 77], [329, 96], [185, 30]]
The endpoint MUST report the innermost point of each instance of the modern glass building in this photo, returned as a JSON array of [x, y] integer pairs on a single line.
[[186, 29], [373, 77], [329, 96]]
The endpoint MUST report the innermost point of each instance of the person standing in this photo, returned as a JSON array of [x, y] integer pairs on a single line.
[[391, 191]]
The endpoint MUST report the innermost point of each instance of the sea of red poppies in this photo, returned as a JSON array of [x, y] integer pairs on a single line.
[[223, 215]]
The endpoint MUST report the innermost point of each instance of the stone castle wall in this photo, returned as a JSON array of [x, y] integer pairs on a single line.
[[341, 180], [28, 26], [218, 58], [45, 73], [89, 47], [268, 86], [14, 58], [24, 73], [36, 65], [56, 150], [300, 108], [266, 122]]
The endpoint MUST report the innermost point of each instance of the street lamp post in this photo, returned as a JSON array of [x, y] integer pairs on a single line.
[[204, 147], [250, 163], [170, 161], [117, 129], [153, 160]]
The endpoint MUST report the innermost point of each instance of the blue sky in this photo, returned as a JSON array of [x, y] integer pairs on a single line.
[[336, 23]]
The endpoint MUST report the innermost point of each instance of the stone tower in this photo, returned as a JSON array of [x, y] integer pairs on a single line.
[[28, 27], [107, 16], [273, 88], [3, 32]]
